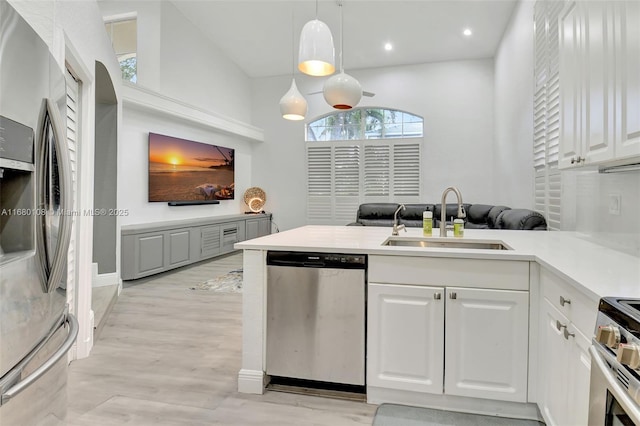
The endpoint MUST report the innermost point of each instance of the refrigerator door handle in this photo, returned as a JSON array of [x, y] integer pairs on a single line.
[[21, 385], [53, 154]]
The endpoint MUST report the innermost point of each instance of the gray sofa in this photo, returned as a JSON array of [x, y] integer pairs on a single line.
[[478, 216]]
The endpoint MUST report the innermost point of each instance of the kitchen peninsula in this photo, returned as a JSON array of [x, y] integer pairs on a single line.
[[505, 313]]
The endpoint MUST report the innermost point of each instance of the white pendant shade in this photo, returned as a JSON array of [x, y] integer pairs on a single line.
[[293, 105], [342, 91], [316, 56]]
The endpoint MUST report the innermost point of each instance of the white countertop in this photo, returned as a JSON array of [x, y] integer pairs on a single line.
[[595, 270]]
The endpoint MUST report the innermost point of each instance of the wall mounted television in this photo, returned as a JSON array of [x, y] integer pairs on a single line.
[[183, 172]]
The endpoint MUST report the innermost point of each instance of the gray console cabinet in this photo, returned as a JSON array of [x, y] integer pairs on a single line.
[[149, 249]]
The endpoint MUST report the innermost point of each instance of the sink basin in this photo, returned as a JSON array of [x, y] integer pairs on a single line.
[[446, 243]]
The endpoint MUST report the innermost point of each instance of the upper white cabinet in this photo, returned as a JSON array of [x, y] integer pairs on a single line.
[[599, 82], [628, 63]]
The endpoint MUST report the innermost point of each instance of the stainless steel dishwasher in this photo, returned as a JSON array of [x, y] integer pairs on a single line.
[[316, 316]]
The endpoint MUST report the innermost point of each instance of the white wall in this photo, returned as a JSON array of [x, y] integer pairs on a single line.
[[133, 168], [178, 61], [512, 151], [455, 98]]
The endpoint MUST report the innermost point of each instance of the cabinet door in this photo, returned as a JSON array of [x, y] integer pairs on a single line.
[[570, 86], [210, 241], [229, 235], [264, 227], [486, 344], [553, 375], [405, 337], [579, 368], [598, 102], [179, 247], [149, 251], [627, 18], [252, 229]]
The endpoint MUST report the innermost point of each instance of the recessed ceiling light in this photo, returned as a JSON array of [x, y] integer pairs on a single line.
[[388, 46], [467, 32]]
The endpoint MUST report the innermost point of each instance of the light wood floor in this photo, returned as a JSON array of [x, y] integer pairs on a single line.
[[169, 355]]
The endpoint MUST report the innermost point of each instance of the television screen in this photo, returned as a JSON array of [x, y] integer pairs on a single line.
[[183, 170]]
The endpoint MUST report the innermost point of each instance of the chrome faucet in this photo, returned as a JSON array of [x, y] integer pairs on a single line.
[[443, 209], [397, 227]]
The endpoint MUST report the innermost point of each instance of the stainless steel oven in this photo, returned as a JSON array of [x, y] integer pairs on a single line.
[[614, 397]]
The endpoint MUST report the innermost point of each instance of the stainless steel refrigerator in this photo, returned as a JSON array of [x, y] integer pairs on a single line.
[[36, 328]]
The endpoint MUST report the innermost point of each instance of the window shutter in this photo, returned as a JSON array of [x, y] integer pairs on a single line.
[[376, 170], [319, 169], [406, 172], [72, 144], [546, 112], [346, 180]]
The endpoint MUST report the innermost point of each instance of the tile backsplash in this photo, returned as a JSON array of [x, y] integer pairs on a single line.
[[589, 204]]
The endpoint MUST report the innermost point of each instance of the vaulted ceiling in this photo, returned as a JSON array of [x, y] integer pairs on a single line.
[[260, 35]]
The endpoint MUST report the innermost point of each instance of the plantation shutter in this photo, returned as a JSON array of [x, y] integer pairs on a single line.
[[546, 112], [376, 172], [346, 180], [319, 168], [406, 171], [72, 143], [341, 175]]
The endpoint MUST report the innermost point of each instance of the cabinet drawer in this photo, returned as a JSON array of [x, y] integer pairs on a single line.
[[577, 307], [443, 272]]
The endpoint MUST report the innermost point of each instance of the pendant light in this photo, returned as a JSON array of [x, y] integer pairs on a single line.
[[316, 56], [342, 91], [293, 106]]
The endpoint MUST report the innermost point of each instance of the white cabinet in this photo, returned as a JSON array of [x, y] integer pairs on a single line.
[[403, 355], [599, 82], [566, 318], [477, 349], [486, 343], [628, 65], [587, 83], [566, 370]]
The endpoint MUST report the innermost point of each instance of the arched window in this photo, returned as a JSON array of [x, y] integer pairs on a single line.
[[365, 123], [360, 156]]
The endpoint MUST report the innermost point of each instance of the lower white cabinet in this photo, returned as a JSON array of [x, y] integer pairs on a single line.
[[405, 337], [486, 343], [451, 340], [564, 369]]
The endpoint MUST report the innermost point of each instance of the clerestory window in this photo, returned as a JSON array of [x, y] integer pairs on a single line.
[[124, 38]]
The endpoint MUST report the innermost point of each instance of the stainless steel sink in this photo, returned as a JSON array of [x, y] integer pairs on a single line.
[[446, 243]]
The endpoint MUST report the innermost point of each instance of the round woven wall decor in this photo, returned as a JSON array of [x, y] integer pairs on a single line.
[[255, 198]]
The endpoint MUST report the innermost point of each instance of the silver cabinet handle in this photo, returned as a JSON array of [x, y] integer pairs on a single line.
[[560, 326], [437, 296], [564, 301], [567, 334], [453, 295]]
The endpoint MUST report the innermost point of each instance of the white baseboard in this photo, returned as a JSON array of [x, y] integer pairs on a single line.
[[251, 381], [102, 280]]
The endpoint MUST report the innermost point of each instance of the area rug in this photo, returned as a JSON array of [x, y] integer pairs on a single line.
[[230, 282], [400, 415]]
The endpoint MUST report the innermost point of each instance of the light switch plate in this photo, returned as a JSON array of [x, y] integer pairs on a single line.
[[614, 204]]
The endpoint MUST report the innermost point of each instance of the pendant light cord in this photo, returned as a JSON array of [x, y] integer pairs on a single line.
[[293, 44], [341, 35]]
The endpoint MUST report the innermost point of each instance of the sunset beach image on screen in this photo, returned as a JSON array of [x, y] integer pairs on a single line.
[[184, 170]]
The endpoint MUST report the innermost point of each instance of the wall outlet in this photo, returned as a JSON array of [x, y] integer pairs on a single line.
[[614, 204]]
